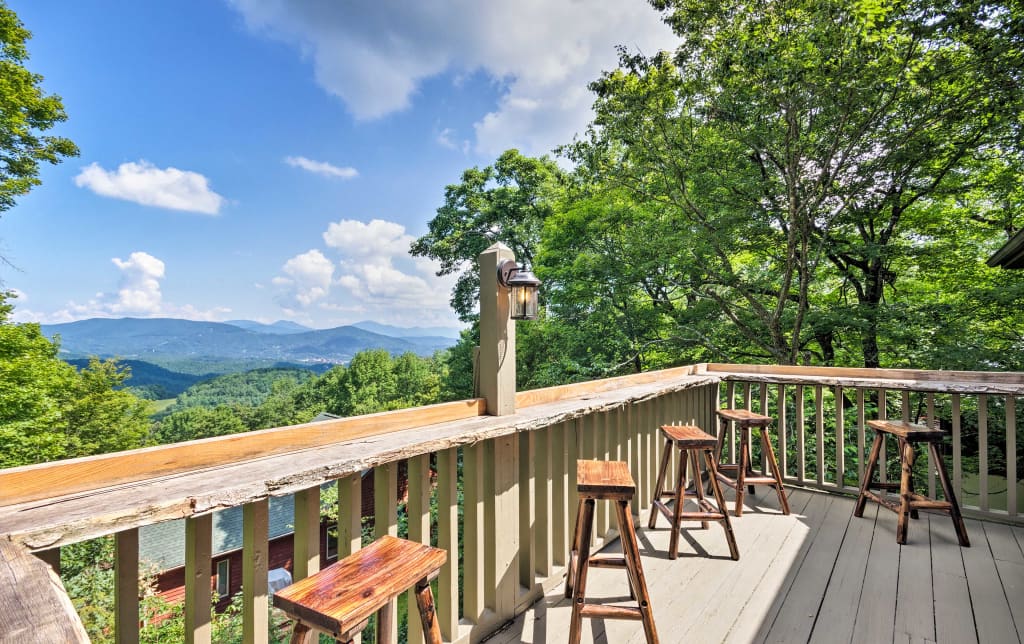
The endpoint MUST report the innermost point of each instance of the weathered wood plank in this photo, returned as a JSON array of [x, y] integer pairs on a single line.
[[915, 607], [198, 550], [255, 565], [126, 589], [954, 618], [59, 478], [876, 611], [992, 615], [837, 615], [36, 608]]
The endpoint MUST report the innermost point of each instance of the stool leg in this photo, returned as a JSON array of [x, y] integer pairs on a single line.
[[741, 468], [766, 445], [698, 483], [302, 634], [580, 583], [876, 448], [635, 570], [947, 489], [673, 541], [720, 501], [907, 467], [574, 550], [659, 487], [428, 614]]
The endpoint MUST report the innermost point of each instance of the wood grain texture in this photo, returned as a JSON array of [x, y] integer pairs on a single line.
[[35, 606], [343, 595], [604, 479]]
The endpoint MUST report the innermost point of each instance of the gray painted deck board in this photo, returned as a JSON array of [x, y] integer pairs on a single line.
[[818, 575]]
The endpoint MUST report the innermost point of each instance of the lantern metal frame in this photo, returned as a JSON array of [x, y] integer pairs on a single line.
[[515, 277]]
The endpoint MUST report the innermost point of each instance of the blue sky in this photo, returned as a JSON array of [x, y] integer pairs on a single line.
[[272, 159]]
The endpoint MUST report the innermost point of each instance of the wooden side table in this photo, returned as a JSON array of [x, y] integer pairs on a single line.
[[908, 435], [340, 599]]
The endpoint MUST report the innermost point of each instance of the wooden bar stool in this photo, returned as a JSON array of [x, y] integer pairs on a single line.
[[340, 599], [744, 475], [691, 442], [908, 435], [611, 481]]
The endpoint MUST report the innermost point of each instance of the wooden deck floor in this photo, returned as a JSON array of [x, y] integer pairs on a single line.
[[818, 575]]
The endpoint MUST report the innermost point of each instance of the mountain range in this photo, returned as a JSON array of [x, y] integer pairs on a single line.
[[163, 340]]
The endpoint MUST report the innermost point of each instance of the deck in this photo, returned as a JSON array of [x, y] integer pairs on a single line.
[[818, 575]]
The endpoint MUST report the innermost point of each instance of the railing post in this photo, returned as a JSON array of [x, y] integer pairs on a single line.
[[198, 551], [306, 559], [255, 560], [126, 593], [498, 387]]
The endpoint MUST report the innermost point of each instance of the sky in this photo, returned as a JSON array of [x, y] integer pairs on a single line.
[[274, 159]]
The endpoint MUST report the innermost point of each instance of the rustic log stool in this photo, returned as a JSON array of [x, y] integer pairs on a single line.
[[340, 599], [908, 435], [691, 442], [611, 481], [744, 475]]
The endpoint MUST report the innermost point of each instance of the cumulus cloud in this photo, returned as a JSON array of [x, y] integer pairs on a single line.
[[322, 167], [138, 294], [372, 276], [373, 55], [146, 184]]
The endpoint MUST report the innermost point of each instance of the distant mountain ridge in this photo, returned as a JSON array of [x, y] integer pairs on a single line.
[[281, 327], [409, 332], [169, 338]]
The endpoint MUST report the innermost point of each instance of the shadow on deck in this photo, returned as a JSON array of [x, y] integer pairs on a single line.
[[818, 575]]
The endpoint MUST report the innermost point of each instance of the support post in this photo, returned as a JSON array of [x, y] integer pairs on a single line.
[[497, 336]]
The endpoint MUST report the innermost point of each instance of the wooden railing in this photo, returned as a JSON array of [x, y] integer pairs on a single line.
[[505, 483]]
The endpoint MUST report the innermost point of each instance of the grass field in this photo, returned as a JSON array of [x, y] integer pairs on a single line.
[[157, 406]]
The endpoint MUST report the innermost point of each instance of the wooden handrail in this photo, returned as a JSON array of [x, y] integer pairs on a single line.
[[848, 373], [49, 480]]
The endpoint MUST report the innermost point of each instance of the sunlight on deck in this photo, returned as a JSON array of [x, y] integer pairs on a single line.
[[819, 575]]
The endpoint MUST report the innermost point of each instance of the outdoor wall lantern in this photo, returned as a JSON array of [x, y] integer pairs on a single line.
[[523, 285]]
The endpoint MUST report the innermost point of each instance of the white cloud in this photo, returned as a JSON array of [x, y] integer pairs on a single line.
[[146, 184], [139, 291], [373, 277], [138, 294], [374, 55], [321, 167]]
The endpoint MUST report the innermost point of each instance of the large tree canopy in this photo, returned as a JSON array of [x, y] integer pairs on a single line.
[[799, 146], [26, 111]]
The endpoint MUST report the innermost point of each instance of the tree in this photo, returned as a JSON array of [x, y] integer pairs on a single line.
[[507, 202], [26, 111], [793, 144]]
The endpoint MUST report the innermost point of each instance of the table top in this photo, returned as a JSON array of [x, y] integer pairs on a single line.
[[903, 429]]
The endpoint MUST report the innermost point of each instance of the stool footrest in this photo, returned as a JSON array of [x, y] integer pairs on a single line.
[[601, 611], [606, 561]]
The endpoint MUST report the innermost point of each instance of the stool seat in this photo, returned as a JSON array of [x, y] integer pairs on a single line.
[[340, 598], [907, 430], [745, 417], [604, 479], [908, 435], [689, 436]]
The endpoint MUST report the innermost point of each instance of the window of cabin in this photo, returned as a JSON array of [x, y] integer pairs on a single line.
[[223, 577]]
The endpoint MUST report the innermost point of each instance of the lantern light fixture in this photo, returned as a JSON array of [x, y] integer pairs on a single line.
[[524, 287]]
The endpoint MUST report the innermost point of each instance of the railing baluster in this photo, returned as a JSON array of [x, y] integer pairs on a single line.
[[1011, 456], [819, 436], [126, 589], [801, 460], [198, 552], [473, 489], [958, 465], [306, 554], [560, 494], [905, 405], [600, 429], [983, 452], [448, 539], [780, 407], [861, 427], [633, 451], [527, 508], [255, 557], [730, 394], [385, 522], [840, 437], [502, 525], [350, 518], [933, 423], [418, 514], [763, 409], [544, 525], [883, 414]]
